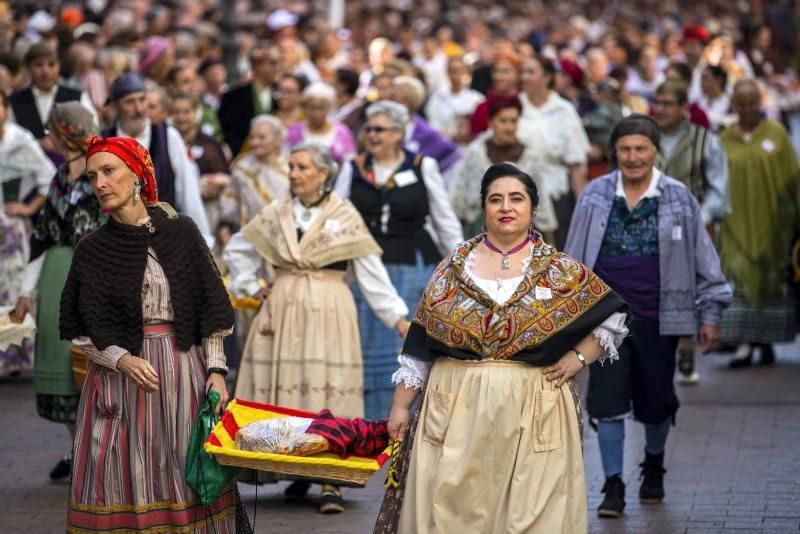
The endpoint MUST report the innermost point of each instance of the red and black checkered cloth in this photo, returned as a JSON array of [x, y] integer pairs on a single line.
[[351, 437]]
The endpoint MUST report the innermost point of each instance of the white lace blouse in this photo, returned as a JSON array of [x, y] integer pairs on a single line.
[[413, 372]]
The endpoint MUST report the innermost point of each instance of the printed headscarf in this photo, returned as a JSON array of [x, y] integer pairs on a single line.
[[73, 124], [135, 156]]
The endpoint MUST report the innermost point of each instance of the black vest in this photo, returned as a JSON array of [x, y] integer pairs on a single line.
[[404, 233], [159, 153], [26, 113]]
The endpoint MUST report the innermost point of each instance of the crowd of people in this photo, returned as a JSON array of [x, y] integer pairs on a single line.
[[500, 195]]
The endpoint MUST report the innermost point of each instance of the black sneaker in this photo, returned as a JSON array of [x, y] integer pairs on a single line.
[[767, 354], [614, 502], [652, 489], [62, 469]]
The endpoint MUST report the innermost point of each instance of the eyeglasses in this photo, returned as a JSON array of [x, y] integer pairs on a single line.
[[377, 129]]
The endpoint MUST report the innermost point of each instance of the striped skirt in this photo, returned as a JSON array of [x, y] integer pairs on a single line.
[[130, 448]]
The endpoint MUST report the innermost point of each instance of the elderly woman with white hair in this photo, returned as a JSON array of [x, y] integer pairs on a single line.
[[259, 176], [402, 198], [420, 136], [317, 101], [303, 349]]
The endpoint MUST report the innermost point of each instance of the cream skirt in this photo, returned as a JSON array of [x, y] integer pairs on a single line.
[[498, 450]]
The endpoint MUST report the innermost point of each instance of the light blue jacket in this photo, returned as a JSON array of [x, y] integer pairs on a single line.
[[693, 289]]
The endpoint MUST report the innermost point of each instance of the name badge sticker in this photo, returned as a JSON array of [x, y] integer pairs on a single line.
[[543, 293], [74, 197], [402, 179], [332, 225], [677, 233]]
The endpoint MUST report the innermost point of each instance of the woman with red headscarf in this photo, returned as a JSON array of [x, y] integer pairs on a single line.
[[144, 299]]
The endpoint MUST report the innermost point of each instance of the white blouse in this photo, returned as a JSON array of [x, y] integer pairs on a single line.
[[444, 227], [244, 263], [413, 372]]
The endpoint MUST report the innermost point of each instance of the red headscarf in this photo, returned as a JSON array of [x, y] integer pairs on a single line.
[[135, 156]]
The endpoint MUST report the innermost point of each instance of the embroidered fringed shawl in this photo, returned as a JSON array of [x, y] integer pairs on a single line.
[[456, 318]]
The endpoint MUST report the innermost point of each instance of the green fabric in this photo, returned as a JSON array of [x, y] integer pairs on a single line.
[[756, 237], [52, 366], [58, 408], [203, 473]]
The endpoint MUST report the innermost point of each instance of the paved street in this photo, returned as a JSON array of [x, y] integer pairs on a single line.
[[733, 464]]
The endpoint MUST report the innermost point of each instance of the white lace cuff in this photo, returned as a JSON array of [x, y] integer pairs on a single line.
[[413, 373], [610, 335]]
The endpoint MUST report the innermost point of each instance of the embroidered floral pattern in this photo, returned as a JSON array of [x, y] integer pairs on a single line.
[[457, 313]]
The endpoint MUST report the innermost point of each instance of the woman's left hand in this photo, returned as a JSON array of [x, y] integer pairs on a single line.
[[217, 381], [565, 368]]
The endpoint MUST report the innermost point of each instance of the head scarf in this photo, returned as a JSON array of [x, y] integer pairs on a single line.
[[154, 47], [135, 156], [73, 124]]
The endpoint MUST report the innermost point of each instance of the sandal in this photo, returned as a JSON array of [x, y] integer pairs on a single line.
[[331, 501]]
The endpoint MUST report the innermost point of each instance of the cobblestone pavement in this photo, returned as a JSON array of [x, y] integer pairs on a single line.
[[733, 464]]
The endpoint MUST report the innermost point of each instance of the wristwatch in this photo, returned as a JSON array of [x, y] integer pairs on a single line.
[[218, 370], [581, 357]]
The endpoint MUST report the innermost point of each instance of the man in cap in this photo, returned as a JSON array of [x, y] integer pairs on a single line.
[[240, 104], [30, 108], [693, 155], [177, 177], [643, 233]]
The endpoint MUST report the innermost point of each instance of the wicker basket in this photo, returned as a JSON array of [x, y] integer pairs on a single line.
[[80, 366], [340, 476], [322, 467]]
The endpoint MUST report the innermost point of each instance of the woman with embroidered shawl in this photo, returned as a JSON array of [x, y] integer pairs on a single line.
[[259, 176], [70, 212], [303, 348], [504, 325], [144, 299]]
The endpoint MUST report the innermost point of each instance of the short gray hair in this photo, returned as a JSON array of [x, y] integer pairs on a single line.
[[274, 123], [322, 158], [319, 91], [396, 113]]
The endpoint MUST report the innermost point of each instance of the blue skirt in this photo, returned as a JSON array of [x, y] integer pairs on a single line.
[[380, 345]]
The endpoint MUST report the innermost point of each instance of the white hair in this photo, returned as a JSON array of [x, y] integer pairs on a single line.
[[413, 90], [396, 113], [321, 158], [274, 123], [319, 91]]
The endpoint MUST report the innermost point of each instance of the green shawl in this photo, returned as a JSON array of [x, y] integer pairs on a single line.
[[756, 236]]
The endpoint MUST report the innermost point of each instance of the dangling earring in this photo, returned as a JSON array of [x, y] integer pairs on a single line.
[[532, 227], [137, 189], [483, 228]]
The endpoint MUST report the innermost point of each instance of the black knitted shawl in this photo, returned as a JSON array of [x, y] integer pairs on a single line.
[[102, 297]]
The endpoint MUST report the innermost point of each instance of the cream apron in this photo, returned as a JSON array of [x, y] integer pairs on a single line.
[[498, 450]]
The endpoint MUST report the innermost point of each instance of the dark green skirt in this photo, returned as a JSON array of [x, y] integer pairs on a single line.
[[56, 397]]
